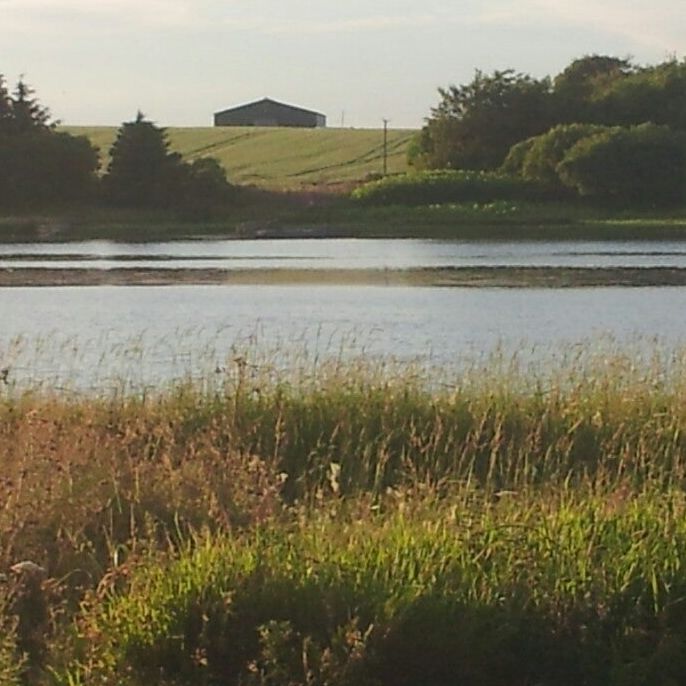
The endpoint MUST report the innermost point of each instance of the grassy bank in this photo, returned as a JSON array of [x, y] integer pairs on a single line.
[[260, 214], [351, 524]]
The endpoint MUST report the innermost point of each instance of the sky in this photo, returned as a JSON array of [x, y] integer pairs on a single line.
[[97, 62]]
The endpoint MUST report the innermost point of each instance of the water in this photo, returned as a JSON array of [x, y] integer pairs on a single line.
[[343, 254], [96, 336]]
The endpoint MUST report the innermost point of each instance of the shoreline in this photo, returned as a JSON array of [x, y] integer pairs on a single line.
[[455, 277]]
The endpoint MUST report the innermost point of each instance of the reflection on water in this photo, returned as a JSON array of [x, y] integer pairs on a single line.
[[343, 254], [90, 336]]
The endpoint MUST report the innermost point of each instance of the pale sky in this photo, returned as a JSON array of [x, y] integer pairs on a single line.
[[99, 61]]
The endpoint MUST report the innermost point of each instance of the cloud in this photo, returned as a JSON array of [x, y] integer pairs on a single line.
[[371, 23], [53, 14], [659, 26]]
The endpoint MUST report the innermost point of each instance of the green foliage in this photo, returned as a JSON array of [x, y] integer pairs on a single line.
[[204, 188], [46, 168], [475, 125], [545, 152], [642, 164], [578, 86], [144, 173], [655, 94], [513, 164], [39, 166], [427, 188]]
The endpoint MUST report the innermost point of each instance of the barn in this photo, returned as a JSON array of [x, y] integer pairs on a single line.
[[268, 112]]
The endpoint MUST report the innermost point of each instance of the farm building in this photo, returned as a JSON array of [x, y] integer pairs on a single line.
[[268, 112]]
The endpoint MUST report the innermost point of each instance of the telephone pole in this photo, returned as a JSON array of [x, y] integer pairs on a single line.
[[385, 146]]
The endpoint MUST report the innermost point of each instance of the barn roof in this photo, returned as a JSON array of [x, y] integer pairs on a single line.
[[250, 105]]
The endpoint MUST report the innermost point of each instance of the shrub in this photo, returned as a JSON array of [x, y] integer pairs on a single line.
[[641, 164], [204, 188], [514, 162], [426, 188], [545, 153]]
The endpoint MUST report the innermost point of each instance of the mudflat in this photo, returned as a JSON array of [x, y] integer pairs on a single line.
[[464, 277]]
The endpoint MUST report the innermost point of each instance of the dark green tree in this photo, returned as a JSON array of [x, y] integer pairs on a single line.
[[143, 172], [39, 165], [6, 115], [578, 88], [475, 125], [28, 114], [654, 94]]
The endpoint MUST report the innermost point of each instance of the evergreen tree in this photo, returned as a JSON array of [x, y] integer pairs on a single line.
[[142, 170], [6, 115], [38, 165], [27, 113]]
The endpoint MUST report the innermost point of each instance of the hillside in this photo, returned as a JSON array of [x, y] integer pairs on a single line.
[[279, 157]]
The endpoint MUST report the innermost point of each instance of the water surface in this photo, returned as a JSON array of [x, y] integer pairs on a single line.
[[343, 254], [147, 335]]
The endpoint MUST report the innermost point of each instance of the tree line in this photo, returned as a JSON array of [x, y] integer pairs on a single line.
[[604, 127], [41, 166]]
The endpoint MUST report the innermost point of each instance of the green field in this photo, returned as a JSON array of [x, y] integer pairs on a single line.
[[279, 157]]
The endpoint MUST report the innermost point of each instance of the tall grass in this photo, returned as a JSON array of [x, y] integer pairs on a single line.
[[565, 591], [354, 522]]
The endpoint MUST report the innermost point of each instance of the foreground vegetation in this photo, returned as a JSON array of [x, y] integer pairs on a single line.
[[350, 524]]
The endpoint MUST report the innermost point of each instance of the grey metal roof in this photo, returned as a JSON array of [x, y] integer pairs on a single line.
[[250, 105]]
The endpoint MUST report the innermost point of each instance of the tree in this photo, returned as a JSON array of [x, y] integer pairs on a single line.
[[28, 114], [654, 94], [578, 87], [475, 125], [6, 115], [142, 171], [38, 165]]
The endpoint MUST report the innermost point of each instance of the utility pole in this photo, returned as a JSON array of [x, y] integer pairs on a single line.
[[385, 146]]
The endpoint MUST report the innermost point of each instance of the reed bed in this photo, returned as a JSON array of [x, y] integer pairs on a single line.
[[350, 522]]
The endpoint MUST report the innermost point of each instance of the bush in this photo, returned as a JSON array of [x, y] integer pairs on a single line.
[[514, 162], [204, 188], [641, 164], [545, 152], [427, 188]]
